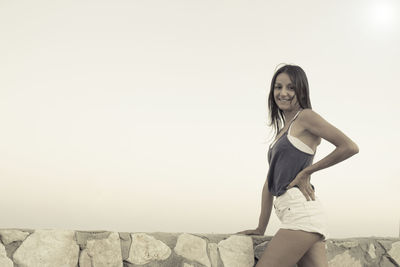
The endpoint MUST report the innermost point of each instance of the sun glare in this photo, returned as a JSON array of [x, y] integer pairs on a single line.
[[383, 14]]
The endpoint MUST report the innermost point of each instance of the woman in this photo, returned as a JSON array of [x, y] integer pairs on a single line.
[[298, 133]]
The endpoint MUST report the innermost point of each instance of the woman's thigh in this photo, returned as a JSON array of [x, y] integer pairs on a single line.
[[287, 247], [315, 256]]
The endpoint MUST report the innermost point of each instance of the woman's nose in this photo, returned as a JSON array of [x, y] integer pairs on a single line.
[[284, 92]]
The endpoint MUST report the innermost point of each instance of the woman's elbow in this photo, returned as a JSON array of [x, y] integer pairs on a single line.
[[353, 149]]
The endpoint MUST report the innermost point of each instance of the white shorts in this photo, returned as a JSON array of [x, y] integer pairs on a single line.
[[296, 213]]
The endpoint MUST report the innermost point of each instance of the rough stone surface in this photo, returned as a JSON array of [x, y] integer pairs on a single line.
[[166, 238], [102, 253], [125, 239], [237, 251], [347, 244], [9, 236], [394, 252], [12, 247], [193, 248], [48, 248], [371, 251], [146, 248], [83, 236], [259, 250], [385, 262], [344, 260], [333, 249], [26, 247], [386, 244], [85, 259], [213, 251], [4, 260]]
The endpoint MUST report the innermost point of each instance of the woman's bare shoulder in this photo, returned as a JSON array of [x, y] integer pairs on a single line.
[[318, 126], [308, 115], [314, 123]]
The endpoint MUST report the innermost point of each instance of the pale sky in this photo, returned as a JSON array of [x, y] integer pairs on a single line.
[[144, 116]]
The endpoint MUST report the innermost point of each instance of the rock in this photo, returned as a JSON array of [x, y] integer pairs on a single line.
[[4, 260], [237, 251], [344, 260], [394, 252], [371, 251], [187, 265], [103, 252], [167, 238], [83, 236], [386, 244], [385, 262], [48, 248], [213, 250], [193, 248], [84, 259], [146, 248], [332, 249], [347, 244], [125, 239], [259, 250], [9, 236]]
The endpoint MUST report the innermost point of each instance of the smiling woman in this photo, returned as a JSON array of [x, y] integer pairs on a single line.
[[303, 230]]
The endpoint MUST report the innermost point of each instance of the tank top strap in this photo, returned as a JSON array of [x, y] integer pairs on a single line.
[[291, 122]]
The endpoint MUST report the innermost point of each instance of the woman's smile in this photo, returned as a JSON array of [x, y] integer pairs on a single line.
[[285, 101]]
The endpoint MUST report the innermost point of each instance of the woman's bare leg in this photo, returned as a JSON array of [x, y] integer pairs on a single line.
[[287, 247], [315, 256]]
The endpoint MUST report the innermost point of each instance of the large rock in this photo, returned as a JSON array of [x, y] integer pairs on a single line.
[[9, 236], [48, 248], [102, 252], [193, 248], [145, 249], [344, 260], [237, 251], [4, 260], [394, 252]]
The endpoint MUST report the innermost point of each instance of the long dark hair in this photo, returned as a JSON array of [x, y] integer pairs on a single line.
[[299, 80]]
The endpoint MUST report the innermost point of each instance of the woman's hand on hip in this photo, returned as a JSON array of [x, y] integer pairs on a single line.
[[302, 180]]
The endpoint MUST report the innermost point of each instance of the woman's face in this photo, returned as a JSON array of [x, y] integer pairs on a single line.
[[284, 94]]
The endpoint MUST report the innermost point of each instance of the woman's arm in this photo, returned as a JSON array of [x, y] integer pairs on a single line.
[[266, 207], [345, 148]]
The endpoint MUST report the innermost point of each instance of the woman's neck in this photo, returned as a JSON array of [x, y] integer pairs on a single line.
[[289, 115]]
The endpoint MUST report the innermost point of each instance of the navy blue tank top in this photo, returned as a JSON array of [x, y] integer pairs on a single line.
[[285, 162]]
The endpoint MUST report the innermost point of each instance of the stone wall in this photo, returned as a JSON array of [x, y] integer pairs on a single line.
[[59, 248]]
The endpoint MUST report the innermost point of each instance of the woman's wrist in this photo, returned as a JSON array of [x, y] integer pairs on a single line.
[[308, 171], [261, 229]]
